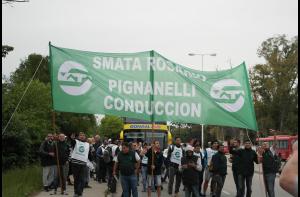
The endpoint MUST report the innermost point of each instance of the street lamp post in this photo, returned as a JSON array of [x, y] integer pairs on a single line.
[[202, 55]]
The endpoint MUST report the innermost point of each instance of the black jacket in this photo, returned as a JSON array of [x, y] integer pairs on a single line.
[[158, 162], [190, 176], [63, 152], [234, 158], [46, 148], [247, 157], [268, 162], [219, 162]]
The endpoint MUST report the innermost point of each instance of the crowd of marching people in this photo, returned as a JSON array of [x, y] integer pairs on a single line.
[[180, 164]]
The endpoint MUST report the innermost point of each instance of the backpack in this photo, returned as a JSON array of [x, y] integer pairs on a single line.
[[107, 155]]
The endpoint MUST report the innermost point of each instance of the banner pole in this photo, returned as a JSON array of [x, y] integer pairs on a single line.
[[202, 135], [152, 108], [57, 160]]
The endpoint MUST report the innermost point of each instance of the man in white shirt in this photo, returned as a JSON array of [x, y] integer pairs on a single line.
[[209, 152]]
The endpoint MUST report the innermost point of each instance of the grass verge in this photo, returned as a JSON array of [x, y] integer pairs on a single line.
[[22, 182]]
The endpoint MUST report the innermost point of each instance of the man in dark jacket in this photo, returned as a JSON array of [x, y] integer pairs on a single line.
[[63, 151], [48, 161], [190, 166], [155, 167], [269, 160], [96, 146], [234, 159], [128, 163], [219, 170], [247, 157]]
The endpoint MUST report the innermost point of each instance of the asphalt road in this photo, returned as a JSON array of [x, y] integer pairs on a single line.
[[98, 190]]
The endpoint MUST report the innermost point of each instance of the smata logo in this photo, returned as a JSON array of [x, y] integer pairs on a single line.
[[74, 78], [81, 149], [228, 94]]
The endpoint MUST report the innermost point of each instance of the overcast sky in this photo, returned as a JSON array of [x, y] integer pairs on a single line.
[[234, 29]]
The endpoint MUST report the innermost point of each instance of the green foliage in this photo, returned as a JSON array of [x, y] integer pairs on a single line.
[[22, 182], [275, 85], [6, 49], [29, 66], [33, 118], [74, 123], [111, 126]]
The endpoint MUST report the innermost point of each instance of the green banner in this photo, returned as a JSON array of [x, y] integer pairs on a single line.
[[148, 86]]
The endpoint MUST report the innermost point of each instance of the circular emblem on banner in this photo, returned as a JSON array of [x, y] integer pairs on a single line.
[[81, 149], [228, 93], [74, 78]]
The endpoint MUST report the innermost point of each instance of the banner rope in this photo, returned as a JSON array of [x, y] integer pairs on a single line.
[[22, 96]]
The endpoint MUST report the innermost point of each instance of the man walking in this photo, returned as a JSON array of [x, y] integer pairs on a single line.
[[128, 162], [175, 154], [190, 166], [63, 151], [271, 164], [48, 161], [80, 155], [234, 159], [155, 162], [198, 153], [96, 159], [209, 152], [219, 169], [247, 157]]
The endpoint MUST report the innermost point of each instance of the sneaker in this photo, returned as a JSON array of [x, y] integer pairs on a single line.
[[46, 188], [64, 193], [54, 192], [87, 186]]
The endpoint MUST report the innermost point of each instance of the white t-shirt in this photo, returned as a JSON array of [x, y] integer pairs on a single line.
[[81, 151], [137, 157], [210, 153], [176, 155], [165, 153], [145, 160]]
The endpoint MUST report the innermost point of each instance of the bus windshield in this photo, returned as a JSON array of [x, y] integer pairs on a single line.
[[146, 136]]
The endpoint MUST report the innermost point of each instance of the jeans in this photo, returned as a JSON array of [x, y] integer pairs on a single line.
[[78, 174], [144, 177], [172, 173], [219, 181], [269, 183], [129, 183], [242, 179], [191, 189], [49, 173], [236, 180]]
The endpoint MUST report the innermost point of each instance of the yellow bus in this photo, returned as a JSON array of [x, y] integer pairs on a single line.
[[141, 131]]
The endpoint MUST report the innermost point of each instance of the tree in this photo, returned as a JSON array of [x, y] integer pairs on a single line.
[[33, 118], [14, 1], [29, 125], [111, 126], [275, 84], [28, 67], [6, 49]]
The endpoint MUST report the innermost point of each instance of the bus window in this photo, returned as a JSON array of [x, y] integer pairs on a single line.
[[283, 144]]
